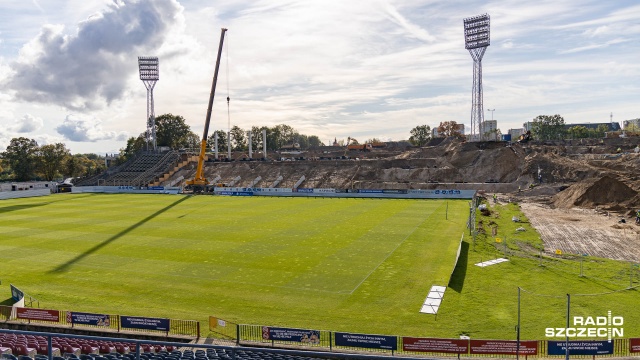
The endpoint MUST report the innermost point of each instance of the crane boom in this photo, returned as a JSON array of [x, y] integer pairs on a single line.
[[199, 182]]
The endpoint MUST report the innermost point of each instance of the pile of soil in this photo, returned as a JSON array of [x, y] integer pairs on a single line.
[[605, 192]]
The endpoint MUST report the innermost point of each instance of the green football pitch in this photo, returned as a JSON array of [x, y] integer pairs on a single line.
[[360, 265]]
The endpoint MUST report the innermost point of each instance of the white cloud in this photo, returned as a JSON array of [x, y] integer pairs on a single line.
[[594, 46], [83, 130], [89, 69], [332, 68], [28, 123]]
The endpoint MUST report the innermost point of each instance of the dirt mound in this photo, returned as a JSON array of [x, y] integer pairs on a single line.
[[605, 191]]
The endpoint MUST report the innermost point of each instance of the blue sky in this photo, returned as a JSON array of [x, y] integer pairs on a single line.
[[332, 68]]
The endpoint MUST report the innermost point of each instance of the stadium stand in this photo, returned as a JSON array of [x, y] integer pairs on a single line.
[[35, 347], [143, 169]]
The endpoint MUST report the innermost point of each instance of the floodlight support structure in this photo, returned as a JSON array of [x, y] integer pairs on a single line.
[[477, 107], [149, 74], [477, 38]]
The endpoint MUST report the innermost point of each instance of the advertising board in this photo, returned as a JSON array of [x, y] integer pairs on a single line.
[[38, 314], [586, 347], [450, 346], [502, 347], [135, 322], [366, 341], [288, 334]]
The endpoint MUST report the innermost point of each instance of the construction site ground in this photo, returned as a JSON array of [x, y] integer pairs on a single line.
[[575, 192]]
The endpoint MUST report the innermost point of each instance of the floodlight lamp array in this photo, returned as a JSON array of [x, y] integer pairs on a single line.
[[149, 68], [477, 31]]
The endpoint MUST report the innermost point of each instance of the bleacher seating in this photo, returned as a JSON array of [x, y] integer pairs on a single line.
[[35, 347], [141, 170]]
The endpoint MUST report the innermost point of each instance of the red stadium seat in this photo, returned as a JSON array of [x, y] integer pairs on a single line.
[[107, 349], [88, 349], [71, 349], [21, 349], [122, 349]]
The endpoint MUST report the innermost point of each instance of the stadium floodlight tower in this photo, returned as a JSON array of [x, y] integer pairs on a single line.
[[149, 74], [476, 40]]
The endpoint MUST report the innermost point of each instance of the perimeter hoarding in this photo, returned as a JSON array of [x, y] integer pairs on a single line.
[[503, 347], [288, 334], [135, 322], [38, 314], [79, 318], [450, 346], [366, 341], [580, 347], [634, 345]]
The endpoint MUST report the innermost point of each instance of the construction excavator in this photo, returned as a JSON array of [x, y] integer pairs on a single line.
[[199, 183]]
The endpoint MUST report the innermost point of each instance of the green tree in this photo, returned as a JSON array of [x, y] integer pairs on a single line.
[[420, 135], [282, 135], [49, 160], [72, 166], [192, 141], [256, 138], [173, 131], [632, 126], [578, 132], [302, 140], [548, 127], [600, 131], [222, 140], [238, 139], [449, 128], [314, 141], [20, 156], [133, 146]]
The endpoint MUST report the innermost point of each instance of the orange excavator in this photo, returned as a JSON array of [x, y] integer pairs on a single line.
[[199, 183]]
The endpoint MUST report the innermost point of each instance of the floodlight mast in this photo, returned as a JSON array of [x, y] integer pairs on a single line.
[[476, 40], [150, 74]]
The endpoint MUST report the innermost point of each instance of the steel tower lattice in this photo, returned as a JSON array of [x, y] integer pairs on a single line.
[[150, 74], [476, 40]]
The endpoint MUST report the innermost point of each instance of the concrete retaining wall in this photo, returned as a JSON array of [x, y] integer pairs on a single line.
[[23, 194]]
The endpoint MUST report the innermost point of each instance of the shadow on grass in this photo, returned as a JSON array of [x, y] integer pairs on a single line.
[[460, 272], [7, 302], [64, 267], [6, 209]]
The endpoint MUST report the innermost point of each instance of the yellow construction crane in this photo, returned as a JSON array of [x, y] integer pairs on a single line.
[[199, 183]]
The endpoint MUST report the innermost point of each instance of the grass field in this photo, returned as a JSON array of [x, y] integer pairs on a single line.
[[337, 264], [329, 264]]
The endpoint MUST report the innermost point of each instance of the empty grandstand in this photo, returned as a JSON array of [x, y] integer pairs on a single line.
[[143, 169], [21, 345]]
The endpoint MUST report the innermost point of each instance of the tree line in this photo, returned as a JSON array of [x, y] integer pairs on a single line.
[[172, 131], [25, 160], [543, 127]]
